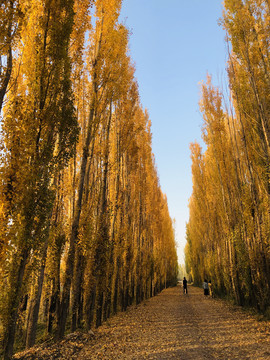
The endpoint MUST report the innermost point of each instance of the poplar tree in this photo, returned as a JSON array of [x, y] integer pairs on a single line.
[[39, 118]]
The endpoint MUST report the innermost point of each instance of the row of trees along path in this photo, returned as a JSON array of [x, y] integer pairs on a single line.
[[85, 228], [169, 326]]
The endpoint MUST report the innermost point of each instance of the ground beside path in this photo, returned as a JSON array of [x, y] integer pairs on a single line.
[[169, 326]]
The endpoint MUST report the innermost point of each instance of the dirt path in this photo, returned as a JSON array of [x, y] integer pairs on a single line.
[[171, 326]]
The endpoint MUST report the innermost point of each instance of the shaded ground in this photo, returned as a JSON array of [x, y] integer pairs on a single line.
[[170, 326]]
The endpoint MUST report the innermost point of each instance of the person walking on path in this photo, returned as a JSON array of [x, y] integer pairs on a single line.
[[205, 287], [185, 286]]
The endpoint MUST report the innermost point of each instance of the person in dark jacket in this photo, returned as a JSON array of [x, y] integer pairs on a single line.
[[185, 286], [205, 288]]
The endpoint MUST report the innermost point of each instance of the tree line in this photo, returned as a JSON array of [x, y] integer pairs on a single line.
[[85, 229], [228, 238]]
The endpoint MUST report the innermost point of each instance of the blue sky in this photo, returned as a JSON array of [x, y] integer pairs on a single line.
[[174, 44]]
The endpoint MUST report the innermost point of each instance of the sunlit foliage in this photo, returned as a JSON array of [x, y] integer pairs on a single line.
[[85, 229], [228, 231]]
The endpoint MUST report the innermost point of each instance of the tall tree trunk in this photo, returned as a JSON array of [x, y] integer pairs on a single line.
[[65, 298], [7, 75], [101, 253], [75, 229]]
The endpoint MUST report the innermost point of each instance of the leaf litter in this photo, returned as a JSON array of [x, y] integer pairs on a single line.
[[171, 325]]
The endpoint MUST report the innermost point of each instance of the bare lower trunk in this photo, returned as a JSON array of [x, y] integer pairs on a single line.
[[34, 309], [76, 303], [99, 306], [9, 336], [92, 301], [52, 307], [116, 286]]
